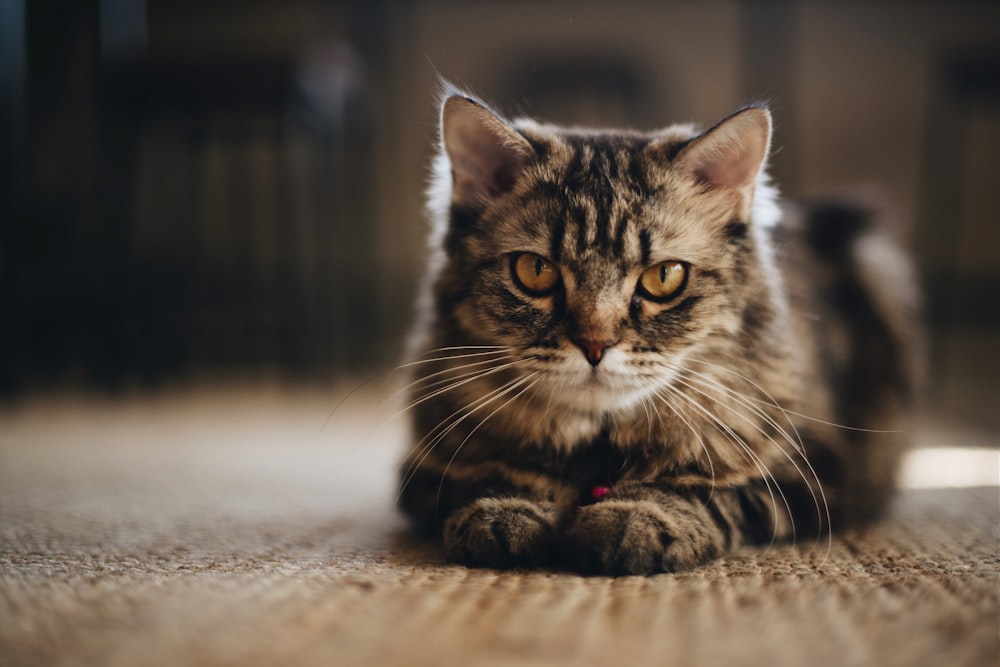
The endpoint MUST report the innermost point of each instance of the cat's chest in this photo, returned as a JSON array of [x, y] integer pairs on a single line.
[[566, 431], [562, 431]]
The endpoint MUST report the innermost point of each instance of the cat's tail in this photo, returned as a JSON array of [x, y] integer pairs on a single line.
[[868, 284], [866, 243]]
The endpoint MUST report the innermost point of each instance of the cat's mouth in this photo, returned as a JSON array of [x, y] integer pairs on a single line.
[[598, 379], [596, 389]]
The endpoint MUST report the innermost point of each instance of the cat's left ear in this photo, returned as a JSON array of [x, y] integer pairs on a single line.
[[731, 154], [486, 155]]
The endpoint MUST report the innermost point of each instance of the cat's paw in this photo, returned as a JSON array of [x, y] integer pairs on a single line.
[[619, 537], [501, 533]]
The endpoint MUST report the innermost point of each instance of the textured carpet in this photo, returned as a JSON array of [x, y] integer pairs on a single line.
[[237, 529]]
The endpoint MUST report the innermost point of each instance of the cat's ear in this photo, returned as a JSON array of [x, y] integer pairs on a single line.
[[730, 154], [486, 155]]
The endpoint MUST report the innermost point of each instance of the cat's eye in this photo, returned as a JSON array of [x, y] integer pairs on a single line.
[[534, 274], [662, 282]]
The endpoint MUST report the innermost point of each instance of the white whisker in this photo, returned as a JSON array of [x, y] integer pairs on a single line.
[[449, 357], [457, 370], [736, 439], [513, 398], [495, 349], [461, 381], [466, 379], [797, 445], [701, 441], [820, 508], [427, 444], [774, 403]]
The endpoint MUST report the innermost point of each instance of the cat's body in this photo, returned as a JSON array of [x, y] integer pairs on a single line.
[[632, 360]]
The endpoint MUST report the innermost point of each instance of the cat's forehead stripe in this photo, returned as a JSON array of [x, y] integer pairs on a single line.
[[645, 246], [599, 183], [558, 232]]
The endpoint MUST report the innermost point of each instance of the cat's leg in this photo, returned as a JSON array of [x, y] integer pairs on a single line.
[[641, 529], [486, 519]]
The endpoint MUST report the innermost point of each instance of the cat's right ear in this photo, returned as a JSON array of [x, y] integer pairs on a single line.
[[486, 155], [729, 155]]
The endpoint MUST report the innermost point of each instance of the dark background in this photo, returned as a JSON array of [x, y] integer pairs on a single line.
[[233, 189]]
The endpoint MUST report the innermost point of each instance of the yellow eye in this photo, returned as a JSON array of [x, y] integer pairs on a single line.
[[534, 274], [663, 282]]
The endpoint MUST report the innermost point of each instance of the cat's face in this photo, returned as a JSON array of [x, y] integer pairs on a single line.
[[598, 261]]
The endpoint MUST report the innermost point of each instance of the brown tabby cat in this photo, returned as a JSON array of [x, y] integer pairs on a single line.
[[634, 361]]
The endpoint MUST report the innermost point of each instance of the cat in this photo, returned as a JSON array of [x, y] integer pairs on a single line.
[[631, 359]]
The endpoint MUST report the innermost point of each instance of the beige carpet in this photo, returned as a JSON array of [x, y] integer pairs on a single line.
[[235, 529]]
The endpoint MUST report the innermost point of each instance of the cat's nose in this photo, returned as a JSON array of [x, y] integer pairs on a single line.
[[593, 350]]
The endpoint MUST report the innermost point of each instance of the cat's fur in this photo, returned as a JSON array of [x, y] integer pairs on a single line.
[[595, 429]]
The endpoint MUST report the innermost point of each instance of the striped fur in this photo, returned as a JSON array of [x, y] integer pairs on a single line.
[[762, 402]]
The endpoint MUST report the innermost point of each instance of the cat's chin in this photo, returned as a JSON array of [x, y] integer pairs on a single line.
[[597, 393]]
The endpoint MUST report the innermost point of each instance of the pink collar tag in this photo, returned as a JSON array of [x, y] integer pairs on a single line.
[[599, 491]]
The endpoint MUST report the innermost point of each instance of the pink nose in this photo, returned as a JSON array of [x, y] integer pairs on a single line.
[[594, 350]]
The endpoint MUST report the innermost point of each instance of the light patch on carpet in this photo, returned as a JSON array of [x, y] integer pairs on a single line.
[[950, 467]]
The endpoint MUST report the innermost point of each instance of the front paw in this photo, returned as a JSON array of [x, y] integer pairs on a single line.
[[618, 537], [501, 533]]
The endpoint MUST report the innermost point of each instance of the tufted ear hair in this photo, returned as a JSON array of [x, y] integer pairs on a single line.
[[731, 154], [486, 155]]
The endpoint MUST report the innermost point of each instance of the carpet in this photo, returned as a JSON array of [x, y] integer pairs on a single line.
[[244, 527]]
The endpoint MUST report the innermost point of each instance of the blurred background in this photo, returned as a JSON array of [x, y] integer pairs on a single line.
[[196, 191]]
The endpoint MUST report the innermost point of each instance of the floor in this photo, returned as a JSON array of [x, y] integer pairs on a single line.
[[254, 526]]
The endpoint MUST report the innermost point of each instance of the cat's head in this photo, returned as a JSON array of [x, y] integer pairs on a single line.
[[600, 259]]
